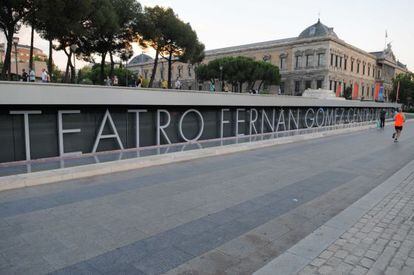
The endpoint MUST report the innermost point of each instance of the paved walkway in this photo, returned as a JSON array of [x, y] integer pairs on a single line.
[[381, 242], [229, 214]]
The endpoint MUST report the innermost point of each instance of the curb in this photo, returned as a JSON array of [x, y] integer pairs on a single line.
[[305, 251], [71, 173]]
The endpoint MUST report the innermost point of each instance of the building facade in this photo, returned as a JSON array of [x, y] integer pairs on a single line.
[[23, 53], [316, 59]]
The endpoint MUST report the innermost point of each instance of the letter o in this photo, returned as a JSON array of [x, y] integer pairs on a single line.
[[180, 125]]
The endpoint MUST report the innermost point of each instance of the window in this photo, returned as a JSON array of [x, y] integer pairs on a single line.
[[298, 61], [352, 65], [332, 59], [319, 84], [336, 61], [369, 69], [330, 85], [309, 60], [308, 84], [283, 63], [297, 87], [345, 63], [335, 85], [363, 69], [358, 68], [321, 59], [340, 62]]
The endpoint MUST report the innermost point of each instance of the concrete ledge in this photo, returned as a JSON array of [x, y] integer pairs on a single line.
[[44, 177], [305, 251]]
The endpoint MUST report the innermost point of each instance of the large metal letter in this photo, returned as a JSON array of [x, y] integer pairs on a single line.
[[266, 118], [281, 115], [62, 131], [253, 121], [223, 122], [160, 128], [115, 135], [26, 127], [295, 121], [311, 119], [180, 125], [239, 121], [137, 124]]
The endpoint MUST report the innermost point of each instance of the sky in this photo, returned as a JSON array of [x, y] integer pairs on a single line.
[[220, 23]]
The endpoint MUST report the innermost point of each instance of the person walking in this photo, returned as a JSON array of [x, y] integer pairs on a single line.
[[382, 118], [45, 76], [399, 120], [25, 76], [32, 75]]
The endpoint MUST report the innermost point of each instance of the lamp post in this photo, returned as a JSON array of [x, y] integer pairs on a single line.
[[221, 78], [15, 43], [73, 48]]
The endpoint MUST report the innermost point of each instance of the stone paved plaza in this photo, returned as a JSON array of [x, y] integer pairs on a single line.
[[230, 214], [381, 242]]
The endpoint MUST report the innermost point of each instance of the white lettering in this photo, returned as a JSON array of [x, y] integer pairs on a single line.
[[310, 110], [137, 112], [160, 128], [180, 125], [62, 131], [239, 121], [253, 121], [26, 128], [115, 134], [222, 122]]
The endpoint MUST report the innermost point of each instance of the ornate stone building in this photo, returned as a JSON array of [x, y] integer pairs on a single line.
[[317, 58]]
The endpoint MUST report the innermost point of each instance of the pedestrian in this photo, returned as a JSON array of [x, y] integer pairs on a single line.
[[108, 81], [382, 118], [178, 84], [399, 120], [32, 75], [212, 86], [139, 81], [45, 76], [25, 76]]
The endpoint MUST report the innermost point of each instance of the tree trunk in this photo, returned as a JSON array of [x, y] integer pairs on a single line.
[[169, 70], [111, 72], [7, 58], [50, 61], [240, 87], [31, 49], [101, 73], [154, 69], [260, 85], [68, 65]]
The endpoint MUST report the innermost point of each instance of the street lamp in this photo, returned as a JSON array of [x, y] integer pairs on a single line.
[[73, 48], [15, 43], [221, 78]]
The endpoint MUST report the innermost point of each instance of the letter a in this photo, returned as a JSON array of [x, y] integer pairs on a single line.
[[107, 116]]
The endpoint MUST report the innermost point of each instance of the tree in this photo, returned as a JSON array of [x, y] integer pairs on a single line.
[[12, 13], [171, 38], [110, 30], [240, 70], [406, 92]]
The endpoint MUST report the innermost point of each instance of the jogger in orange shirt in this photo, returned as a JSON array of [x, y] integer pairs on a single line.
[[399, 120]]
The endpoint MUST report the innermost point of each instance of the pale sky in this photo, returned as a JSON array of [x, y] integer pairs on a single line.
[[220, 23]]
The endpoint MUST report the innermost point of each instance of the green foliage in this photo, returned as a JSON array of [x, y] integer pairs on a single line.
[[239, 70], [170, 37], [406, 94], [91, 75], [145, 83], [12, 14]]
